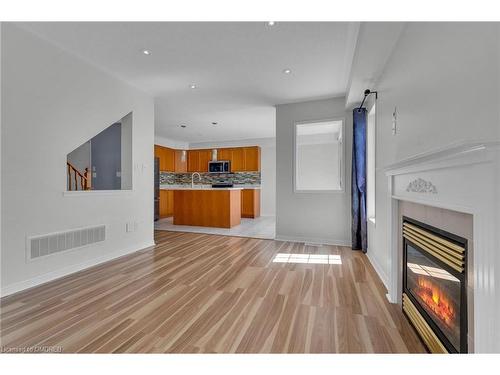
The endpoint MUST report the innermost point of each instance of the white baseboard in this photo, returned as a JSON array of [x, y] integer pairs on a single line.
[[51, 276], [325, 241], [381, 274]]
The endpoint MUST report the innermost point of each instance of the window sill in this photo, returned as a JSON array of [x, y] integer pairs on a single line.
[[95, 193], [333, 191]]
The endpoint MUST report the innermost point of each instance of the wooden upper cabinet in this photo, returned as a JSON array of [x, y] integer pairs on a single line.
[[198, 160], [238, 160], [224, 154], [180, 165], [158, 152], [193, 162], [169, 159], [243, 159], [166, 156], [252, 158], [204, 158]]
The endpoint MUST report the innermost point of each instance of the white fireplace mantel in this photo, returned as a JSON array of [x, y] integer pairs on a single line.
[[465, 178]]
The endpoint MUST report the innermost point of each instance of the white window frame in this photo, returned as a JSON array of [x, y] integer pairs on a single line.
[[371, 163], [341, 161]]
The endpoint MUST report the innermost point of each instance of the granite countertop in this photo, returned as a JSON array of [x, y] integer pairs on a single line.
[[206, 187]]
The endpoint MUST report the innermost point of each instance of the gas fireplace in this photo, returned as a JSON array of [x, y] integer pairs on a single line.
[[434, 286]]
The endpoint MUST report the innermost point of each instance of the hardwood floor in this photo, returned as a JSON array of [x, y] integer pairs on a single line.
[[199, 293]]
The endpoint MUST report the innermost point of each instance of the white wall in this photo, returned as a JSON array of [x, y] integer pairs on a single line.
[[317, 217], [443, 79], [127, 160], [268, 167], [53, 102], [171, 143]]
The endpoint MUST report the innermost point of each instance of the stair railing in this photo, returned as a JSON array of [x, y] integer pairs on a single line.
[[75, 177]]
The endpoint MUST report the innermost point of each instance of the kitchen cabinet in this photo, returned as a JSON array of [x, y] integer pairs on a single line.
[[220, 208], [166, 203], [250, 203], [193, 162], [224, 154], [180, 161], [252, 158], [238, 160], [243, 159], [198, 160], [205, 156], [167, 158]]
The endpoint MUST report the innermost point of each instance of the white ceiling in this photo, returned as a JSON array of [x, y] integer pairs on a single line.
[[237, 67]]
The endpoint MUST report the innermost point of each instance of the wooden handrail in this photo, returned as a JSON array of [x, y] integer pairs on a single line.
[[75, 174]]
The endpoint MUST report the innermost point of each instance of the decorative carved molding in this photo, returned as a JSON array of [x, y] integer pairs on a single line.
[[421, 186]]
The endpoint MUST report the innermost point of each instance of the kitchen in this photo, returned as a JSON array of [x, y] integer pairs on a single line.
[[210, 190]]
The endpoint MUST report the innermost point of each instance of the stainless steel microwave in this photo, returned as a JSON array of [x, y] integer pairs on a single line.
[[220, 166]]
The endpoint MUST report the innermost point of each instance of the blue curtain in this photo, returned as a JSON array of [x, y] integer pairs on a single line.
[[358, 186]]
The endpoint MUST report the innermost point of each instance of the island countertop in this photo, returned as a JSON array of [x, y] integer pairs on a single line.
[[206, 187]]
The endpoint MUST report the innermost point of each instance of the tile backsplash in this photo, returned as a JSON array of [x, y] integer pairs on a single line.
[[176, 178]]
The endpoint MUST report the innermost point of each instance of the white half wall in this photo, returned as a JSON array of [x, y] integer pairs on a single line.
[[316, 217], [443, 78], [268, 167], [53, 102]]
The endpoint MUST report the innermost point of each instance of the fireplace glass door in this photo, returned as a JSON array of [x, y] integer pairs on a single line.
[[436, 290]]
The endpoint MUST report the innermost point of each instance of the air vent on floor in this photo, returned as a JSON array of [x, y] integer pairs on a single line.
[[40, 246]]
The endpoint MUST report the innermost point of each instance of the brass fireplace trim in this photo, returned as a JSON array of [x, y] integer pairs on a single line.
[[446, 251], [426, 333], [435, 238]]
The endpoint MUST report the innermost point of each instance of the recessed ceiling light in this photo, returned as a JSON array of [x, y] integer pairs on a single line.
[[287, 71], [192, 86], [146, 52], [183, 126], [271, 23]]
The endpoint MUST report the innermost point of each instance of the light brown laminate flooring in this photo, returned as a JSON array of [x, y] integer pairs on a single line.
[[200, 293]]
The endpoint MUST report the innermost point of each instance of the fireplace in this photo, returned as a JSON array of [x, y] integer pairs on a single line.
[[434, 286]]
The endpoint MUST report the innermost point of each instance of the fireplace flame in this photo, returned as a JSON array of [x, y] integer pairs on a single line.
[[436, 300]]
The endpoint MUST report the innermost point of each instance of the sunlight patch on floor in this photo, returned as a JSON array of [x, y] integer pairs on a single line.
[[307, 258]]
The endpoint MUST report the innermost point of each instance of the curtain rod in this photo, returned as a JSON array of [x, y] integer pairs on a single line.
[[367, 92]]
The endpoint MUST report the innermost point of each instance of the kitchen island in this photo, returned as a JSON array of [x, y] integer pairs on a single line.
[[207, 207]]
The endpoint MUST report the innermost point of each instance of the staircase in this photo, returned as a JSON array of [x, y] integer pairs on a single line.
[[78, 180]]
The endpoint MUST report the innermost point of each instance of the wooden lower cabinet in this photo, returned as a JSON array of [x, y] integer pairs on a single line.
[[166, 203], [207, 208], [250, 203]]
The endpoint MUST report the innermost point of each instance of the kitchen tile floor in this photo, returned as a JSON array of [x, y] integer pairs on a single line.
[[263, 227]]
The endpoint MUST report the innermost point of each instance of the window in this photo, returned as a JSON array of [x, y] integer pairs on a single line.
[[370, 164], [319, 155], [103, 162]]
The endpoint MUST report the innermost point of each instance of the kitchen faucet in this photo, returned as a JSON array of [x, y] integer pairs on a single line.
[[192, 179]]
